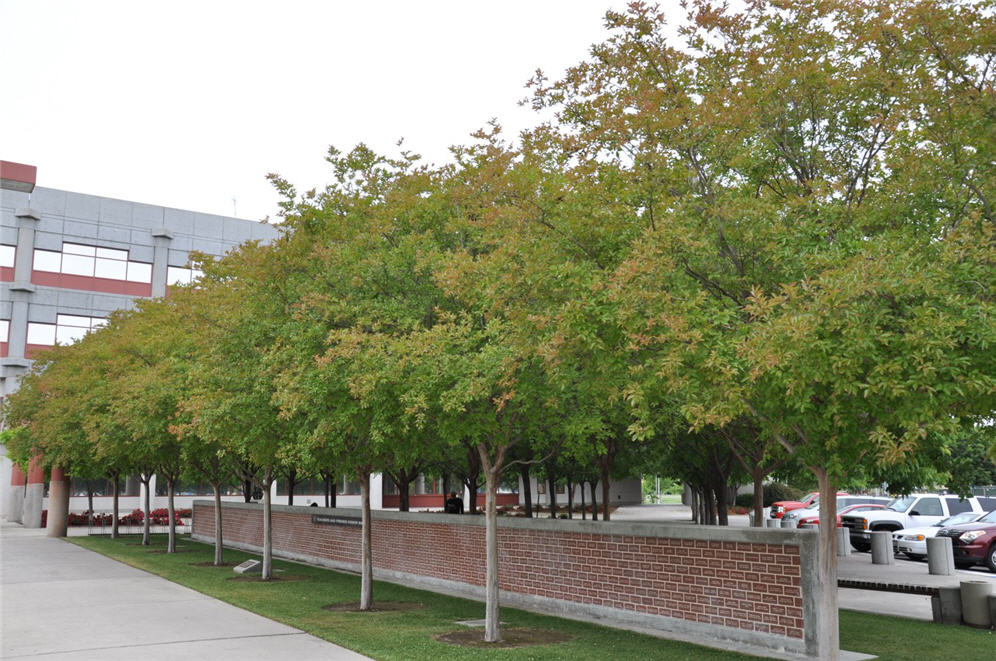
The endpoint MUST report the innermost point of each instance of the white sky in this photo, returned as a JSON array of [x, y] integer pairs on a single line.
[[191, 104]]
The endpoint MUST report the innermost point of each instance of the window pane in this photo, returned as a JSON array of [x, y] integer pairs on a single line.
[[46, 260], [72, 320], [97, 322], [4, 330], [69, 334], [957, 505], [110, 253], [77, 249], [928, 507], [111, 268], [177, 276], [41, 334], [7, 256], [139, 272], [77, 265]]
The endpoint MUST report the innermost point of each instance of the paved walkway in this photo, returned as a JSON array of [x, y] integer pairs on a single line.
[[61, 602]]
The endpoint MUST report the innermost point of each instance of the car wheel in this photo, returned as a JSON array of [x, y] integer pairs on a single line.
[[861, 546], [915, 556], [991, 557]]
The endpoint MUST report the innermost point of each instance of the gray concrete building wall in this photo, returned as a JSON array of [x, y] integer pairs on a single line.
[[136, 250]]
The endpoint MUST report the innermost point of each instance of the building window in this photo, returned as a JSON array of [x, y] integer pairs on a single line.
[[176, 275], [93, 262], [7, 256], [67, 329], [4, 330]]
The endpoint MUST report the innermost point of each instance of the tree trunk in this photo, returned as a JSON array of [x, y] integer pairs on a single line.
[[267, 572], [594, 501], [552, 489], [694, 498], [89, 503], [722, 509], [291, 483], [826, 608], [326, 485], [570, 499], [170, 488], [146, 481], [114, 508], [404, 486], [527, 489], [709, 504], [492, 624], [366, 559], [219, 545], [247, 490], [604, 470], [759, 497], [472, 497], [584, 512]]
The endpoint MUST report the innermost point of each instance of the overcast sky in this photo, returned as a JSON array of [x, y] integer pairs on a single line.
[[191, 104]]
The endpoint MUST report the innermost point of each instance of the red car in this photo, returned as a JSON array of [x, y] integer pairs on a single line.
[[974, 543], [814, 519], [780, 507]]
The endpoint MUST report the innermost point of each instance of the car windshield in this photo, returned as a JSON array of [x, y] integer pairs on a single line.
[[901, 504], [964, 517], [989, 518]]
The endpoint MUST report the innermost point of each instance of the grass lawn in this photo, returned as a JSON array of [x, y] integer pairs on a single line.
[[408, 634]]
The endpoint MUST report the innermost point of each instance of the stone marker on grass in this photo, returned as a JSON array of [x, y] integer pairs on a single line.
[[250, 567]]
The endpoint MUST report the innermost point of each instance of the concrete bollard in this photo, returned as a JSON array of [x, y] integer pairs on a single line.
[[789, 523], [843, 541], [947, 605], [940, 556], [975, 603], [882, 553], [772, 523]]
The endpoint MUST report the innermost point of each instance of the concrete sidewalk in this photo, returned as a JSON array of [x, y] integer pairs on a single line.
[[64, 602]]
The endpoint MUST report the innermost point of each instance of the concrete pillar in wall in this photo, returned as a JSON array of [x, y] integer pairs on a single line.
[[160, 260], [58, 503], [133, 486], [27, 220], [377, 491], [34, 494], [15, 503]]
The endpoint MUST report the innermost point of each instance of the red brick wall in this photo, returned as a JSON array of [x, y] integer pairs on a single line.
[[748, 586]]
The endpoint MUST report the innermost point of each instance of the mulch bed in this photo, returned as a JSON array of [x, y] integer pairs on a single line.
[[282, 578], [378, 607], [511, 638]]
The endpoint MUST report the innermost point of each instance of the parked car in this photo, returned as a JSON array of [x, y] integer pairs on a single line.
[[974, 543], [913, 541], [813, 517], [915, 510], [779, 508]]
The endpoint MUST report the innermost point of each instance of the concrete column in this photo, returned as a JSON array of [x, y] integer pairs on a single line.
[[843, 542], [882, 553], [15, 504], [34, 494], [25, 256], [377, 491], [975, 603], [789, 523], [58, 503], [772, 523], [160, 261], [940, 556], [946, 605]]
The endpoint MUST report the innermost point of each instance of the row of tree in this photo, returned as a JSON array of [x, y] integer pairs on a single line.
[[761, 237]]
